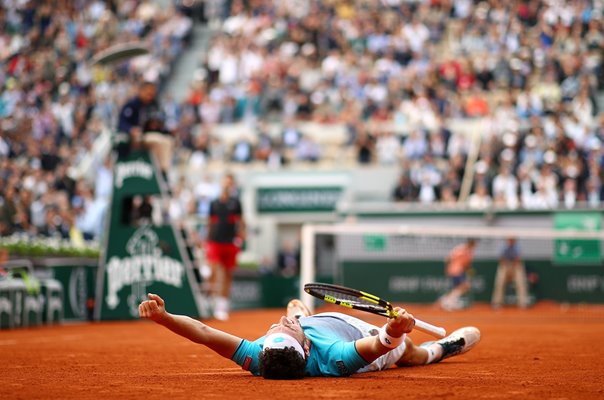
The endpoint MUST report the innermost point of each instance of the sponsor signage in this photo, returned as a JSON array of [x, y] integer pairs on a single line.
[[573, 251], [142, 258], [298, 199], [425, 282]]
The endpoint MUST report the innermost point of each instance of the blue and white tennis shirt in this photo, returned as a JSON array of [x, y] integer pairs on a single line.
[[332, 352]]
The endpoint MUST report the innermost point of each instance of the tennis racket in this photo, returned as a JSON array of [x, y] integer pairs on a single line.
[[358, 300]]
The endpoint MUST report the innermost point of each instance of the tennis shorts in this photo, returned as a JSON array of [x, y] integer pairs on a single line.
[[367, 329], [459, 279], [224, 254]]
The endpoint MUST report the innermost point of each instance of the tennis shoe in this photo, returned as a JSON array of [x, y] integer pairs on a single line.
[[297, 309], [221, 308], [221, 315], [458, 342]]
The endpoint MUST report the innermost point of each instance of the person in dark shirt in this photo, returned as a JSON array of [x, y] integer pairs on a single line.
[[288, 259], [226, 232], [142, 122], [405, 189], [133, 116]]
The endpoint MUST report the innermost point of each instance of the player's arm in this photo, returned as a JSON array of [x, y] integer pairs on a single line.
[[371, 348], [221, 342]]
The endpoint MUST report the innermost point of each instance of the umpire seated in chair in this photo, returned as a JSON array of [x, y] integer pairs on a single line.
[[141, 126]]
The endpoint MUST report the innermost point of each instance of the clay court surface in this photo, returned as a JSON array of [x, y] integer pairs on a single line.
[[547, 352]]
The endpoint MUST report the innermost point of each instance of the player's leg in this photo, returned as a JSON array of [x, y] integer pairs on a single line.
[[297, 309], [216, 280], [458, 342], [227, 282], [228, 261], [413, 355], [498, 291], [521, 285], [451, 300], [221, 300], [462, 286], [213, 260]]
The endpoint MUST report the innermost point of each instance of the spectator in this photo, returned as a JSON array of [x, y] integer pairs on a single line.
[[505, 185], [405, 190], [415, 146], [365, 146], [308, 149], [291, 135], [288, 259], [205, 191], [242, 150], [480, 199], [388, 148]]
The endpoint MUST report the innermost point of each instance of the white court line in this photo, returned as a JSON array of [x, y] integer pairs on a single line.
[[42, 339], [205, 370], [239, 370]]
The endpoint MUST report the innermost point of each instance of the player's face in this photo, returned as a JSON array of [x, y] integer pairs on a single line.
[[290, 326]]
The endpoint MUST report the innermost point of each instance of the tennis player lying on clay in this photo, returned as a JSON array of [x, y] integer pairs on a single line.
[[326, 344]]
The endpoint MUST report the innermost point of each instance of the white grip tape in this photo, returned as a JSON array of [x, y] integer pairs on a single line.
[[390, 341], [430, 329]]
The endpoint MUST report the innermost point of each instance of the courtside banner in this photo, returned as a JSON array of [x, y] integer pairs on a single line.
[[141, 257]]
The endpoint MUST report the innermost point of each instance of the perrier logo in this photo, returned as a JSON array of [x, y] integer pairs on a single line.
[[131, 169], [146, 265]]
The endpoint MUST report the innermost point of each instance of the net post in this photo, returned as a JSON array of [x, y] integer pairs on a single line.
[[307, 271]]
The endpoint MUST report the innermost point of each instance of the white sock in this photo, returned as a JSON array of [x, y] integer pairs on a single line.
[[221, 304], [435, 352]]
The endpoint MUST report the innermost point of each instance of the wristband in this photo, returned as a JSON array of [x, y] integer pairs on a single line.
[[390, 341]]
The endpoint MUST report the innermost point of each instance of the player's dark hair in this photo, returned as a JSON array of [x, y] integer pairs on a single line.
[[284, 363]]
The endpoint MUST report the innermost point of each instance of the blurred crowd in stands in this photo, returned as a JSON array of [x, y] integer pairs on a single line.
[[525, 75], [54, 104], [396, 72]]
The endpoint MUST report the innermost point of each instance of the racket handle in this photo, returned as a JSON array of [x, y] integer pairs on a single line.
[[430, 329]]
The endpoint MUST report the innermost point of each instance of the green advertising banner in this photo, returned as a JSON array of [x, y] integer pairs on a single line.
[[425, 281], [375, 243], [78, 282], [140, 257], [578, 252], [298, 199]]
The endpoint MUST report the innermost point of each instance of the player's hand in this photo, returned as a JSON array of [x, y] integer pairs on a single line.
[[153, 309], [403, 323]]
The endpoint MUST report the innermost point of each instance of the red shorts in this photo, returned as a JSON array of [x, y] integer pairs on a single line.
[[224, 254]]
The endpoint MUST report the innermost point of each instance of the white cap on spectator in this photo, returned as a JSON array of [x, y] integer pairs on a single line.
[[509, 139], [289, 49], [308, 49], [572, 171], [481, 167], [530, 141], [64, 88], [549, 157], [507, 154], [266, 36]]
